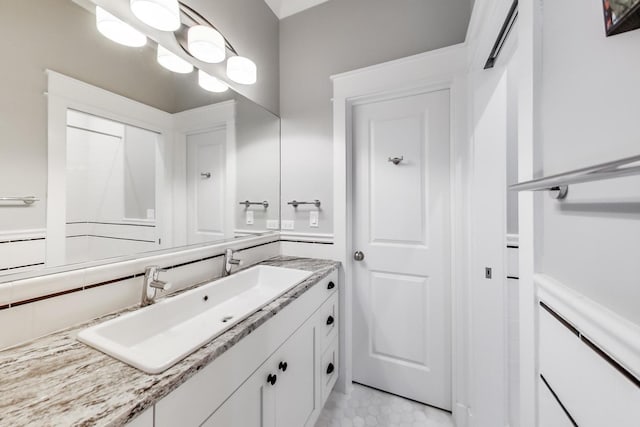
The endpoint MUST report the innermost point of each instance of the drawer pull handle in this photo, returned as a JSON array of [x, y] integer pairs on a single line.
[[272, 378], [331, 285], [283, 366], [330, 320], [330, 369]]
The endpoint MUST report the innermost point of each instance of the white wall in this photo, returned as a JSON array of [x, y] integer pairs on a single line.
[[331, 38], [589, 115]]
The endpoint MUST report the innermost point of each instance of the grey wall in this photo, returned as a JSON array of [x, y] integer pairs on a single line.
[[334, 37], [60, 35], [589, 111], [257, 163]]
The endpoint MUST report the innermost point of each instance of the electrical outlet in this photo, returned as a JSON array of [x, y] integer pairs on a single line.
[[287, 225], [249, 217], [313, 219], [272, 224]]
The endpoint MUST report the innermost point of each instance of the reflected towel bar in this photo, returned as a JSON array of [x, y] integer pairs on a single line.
[[296, 203], [247, 203], [27, 200], [559, 184]]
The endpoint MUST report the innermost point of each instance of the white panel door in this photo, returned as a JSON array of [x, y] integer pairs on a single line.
[[401, 222], [206, 176]]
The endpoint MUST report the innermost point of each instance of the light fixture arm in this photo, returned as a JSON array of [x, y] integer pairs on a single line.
[[189, 12]]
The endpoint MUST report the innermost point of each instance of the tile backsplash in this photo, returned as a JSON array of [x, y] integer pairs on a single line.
[[34, 307]]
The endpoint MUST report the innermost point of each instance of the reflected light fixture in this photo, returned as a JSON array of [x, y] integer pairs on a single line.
[[206, 44], [210, 83], [241, 70], [173, 62], [163, 15], [118, 31]]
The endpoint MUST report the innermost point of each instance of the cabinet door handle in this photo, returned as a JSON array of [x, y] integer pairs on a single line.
[[330, 320], [283, 366], [331, 285], [330, 369], [272, 378]]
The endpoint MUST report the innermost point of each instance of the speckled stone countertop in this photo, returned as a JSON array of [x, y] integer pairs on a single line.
[[58, 381]]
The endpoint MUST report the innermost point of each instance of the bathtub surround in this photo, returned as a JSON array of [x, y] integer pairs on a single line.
[[104, 391]]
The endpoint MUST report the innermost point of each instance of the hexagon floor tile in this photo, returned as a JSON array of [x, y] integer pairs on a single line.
[[365, 406]]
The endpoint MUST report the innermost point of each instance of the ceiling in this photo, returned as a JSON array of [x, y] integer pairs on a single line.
[[284, 8]]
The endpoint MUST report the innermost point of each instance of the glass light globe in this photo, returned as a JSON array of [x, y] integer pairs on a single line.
[[173, 62], [162, 15], [242, 70], [206, 44], [116, 30], [210, 83]]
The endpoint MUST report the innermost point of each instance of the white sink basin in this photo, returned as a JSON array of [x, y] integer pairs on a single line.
[[155, 337]]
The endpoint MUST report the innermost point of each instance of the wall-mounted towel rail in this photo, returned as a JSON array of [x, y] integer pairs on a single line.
[[27, 200], [247, 203], [296, 203], [559, 184]]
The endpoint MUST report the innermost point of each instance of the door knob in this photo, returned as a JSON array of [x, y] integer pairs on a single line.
[[330, 320], [358, 255]]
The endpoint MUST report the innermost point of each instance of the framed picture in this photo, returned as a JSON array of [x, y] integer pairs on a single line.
[[621, 16]]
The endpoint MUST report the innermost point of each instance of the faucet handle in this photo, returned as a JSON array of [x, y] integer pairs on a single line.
[[158, 284]]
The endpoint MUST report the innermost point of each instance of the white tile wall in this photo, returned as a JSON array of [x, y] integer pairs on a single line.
[[29, 321], [25, 252]]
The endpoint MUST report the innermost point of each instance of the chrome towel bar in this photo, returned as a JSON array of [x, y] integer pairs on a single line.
[[559, 184], [296, 203], [247, 203], [27, 200]]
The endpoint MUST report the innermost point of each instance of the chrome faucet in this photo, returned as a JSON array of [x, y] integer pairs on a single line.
[[151, 282], [229, 261]]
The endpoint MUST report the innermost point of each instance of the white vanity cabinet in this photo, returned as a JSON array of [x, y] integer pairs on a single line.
[[281, 393], [274, 377]]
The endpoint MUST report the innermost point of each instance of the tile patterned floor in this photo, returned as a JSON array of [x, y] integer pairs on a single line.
[[365, 406]]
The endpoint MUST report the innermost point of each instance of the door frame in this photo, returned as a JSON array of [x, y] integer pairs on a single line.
[[435, 70]]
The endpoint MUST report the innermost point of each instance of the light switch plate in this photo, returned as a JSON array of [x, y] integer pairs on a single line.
[[287, 225], [313, 219], [249, 217], [272, 224]]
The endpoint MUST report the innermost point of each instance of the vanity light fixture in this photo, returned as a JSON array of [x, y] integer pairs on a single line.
[[173, 62], [118, 31], [163, 15], [241, 70], [210, 83], [206, 44], [202, 40]]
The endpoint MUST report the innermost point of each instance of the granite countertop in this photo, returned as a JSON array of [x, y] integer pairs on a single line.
[[58, 381]]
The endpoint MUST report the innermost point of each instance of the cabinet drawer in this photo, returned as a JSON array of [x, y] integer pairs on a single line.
[[591, 389], [550, 412], [328, 328], [329, 370]]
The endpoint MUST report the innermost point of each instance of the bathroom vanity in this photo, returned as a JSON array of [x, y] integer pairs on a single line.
[[274, 368]]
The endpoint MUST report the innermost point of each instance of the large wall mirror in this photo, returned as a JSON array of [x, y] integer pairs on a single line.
[[105, 154]]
